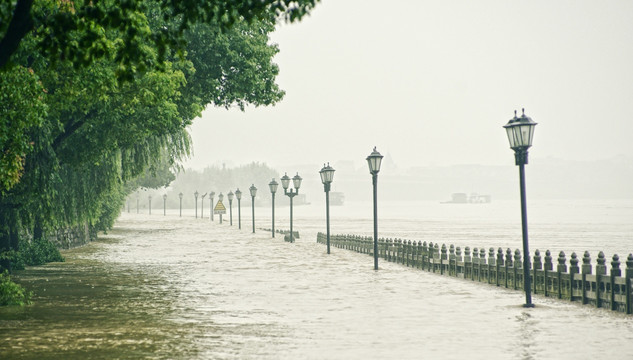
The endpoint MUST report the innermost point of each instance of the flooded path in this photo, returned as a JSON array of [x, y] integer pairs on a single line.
[[180, 288]]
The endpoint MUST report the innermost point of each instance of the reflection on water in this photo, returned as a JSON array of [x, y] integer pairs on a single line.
[[181, 288]]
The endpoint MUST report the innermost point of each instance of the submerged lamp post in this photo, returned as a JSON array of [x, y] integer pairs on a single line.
[[253, 191], [296, 182], [374, 160], [520, 132], [238, 195], [202, 205], [220, 198], [327, 175], [180, 196], [149, 198], [164, 204], [196, 196], [211, 195], [230, 196], [137, 197], [273, 189]]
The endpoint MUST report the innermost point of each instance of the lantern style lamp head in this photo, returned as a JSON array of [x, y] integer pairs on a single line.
[[285, 181], [273, 186], [238, 194], [196, 194], [164, 196], [296, 181], [180, 196], [520, 132], [220, 197], [230, 196], [374, 161], [327, 174], [253, 190], [212, 193]]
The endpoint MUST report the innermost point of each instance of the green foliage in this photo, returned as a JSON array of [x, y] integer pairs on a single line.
[[12, 293], [36, 252]]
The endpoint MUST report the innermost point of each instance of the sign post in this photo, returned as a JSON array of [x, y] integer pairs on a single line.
[[219, 209]]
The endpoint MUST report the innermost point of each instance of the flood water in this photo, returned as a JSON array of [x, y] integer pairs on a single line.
[[170, 287]]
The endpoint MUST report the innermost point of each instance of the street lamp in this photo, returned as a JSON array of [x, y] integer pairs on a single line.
[[273, 189], [220, 198], [374, 160], [253, 191], [520, 132], [180, 196], [238, 195], [149, 198], [230, 196], [196, 196], [327, 175], [164, 204], [202, 205], [138, 193], [285, 182], [211, 195]]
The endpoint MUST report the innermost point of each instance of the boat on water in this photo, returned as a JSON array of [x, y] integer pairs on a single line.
[[473, 198]]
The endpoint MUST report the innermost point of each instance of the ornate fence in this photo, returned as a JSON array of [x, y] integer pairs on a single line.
[[576, 282]]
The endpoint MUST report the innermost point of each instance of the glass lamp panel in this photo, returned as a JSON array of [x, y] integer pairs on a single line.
[[374, 160], [195, 194], [322, 174], [238, 194], [296, 181], [329, 174], [230, 195], [285, 181], [273, 186], [221, 197], [180, 195], [253, 190]]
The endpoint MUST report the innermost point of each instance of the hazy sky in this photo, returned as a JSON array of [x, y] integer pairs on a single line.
[[432, 83]]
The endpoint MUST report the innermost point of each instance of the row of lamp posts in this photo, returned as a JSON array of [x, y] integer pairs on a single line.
[[520, 131]]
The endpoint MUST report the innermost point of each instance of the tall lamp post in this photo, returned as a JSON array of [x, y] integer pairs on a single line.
[[520, 132], [327, 175], [164, 204], [230, 196], [238, 195], [180, 196], [211, 195], [137, 197], [285, 182], [273, 189], [220, 198], [202, 205], [149, 198], [196, 196], [374, 160], [253, 191]]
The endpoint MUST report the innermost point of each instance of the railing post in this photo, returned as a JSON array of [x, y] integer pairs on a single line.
[[538, 265], [458, 258], [517, 266], [548, 266], [443, 257], [601, 270], [508, 264], [482, 263], [499, 263], [629, 275], [585, 270], [467, 262], [560, 269], [615, 272], [573, 269]]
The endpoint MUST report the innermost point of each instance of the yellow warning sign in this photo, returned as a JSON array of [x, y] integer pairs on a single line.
[[219, 208]]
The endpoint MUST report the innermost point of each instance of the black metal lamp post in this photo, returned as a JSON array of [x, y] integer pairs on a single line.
[[253, 191], [238, 195], [196, 196], [220, 198], [211, 195], [180, 196], [520, 132], [327, 175], [149, 198], [164, 204], [374, 160], [230, 196], [138, 193], [202, 205], [285, 182], [273, 189]]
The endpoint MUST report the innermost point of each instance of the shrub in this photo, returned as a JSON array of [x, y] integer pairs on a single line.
[[12, 293]]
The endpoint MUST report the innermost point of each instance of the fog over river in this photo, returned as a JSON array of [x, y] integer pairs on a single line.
[[170, 287]]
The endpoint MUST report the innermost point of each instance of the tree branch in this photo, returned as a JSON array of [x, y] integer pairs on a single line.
[[20, 25]]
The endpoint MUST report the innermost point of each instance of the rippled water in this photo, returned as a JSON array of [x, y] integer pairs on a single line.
[[183, 288]]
